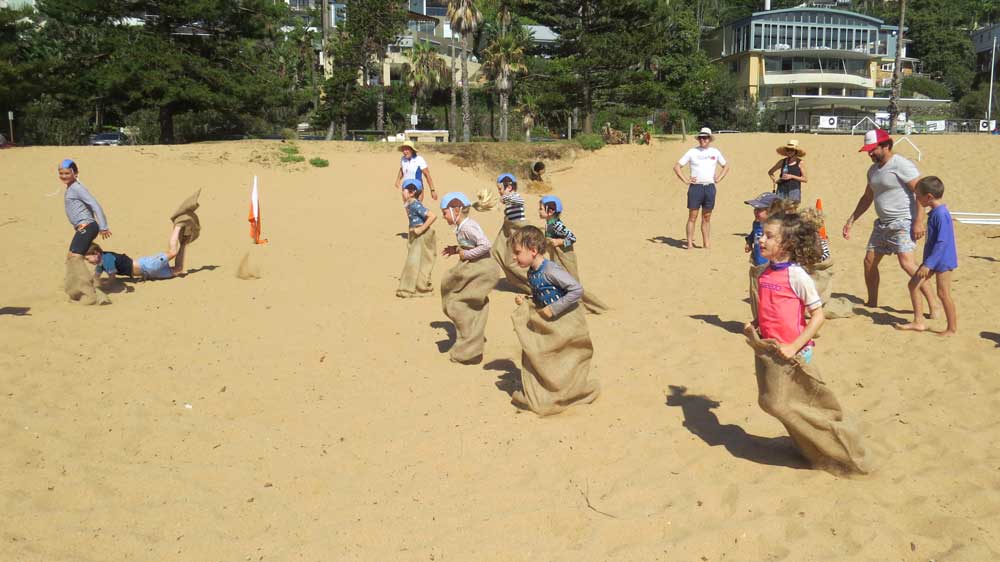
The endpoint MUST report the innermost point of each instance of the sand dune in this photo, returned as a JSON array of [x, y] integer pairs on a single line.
[[325, 423]]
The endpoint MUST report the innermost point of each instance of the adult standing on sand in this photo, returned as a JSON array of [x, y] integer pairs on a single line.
[[413, 167], [704, 161], [793, 174], [892, 180]]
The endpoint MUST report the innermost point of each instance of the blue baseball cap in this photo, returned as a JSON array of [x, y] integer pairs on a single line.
[[414, 183], [66, 164], [455, 196], [553, 199], [510, 177], [763, 200]]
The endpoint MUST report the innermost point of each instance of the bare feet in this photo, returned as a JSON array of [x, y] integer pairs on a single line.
[[911, 327], [871, 304], [934, 313], [946, 333], [689, 245]]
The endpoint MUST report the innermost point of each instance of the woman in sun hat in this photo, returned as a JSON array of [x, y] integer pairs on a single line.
[[413, 167], [793, 174]]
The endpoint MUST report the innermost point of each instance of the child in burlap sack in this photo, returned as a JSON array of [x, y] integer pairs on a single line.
[[514, 218], [156, 266], [561, 244], [789, 387], [421, 244], [465, 288], [555, 341], [88, 220]]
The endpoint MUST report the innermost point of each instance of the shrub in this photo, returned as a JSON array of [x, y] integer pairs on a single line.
[[289, 134], [590, 141], [289, 150], [293, 158], [320, 162]]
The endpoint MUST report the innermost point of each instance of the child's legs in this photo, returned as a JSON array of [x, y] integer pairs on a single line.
[[755, 272], [174, 243], [944, 293], [909, 265]]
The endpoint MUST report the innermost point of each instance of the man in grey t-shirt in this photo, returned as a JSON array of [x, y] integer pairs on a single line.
[[900, 223]]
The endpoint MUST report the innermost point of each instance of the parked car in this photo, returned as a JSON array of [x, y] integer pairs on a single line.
[[107, 139]]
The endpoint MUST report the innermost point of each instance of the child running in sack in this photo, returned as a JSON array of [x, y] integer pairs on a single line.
[[561, 243], [421, 244], [940, 257], [514, 218], [465, 288], [758, 263], [152, 267], [555, 341], [87, 218], [789, 387]]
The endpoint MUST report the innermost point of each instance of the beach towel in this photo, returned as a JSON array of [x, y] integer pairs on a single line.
[[794, 392], [465, 300], [186, 216], [567, 259], [822, 276], [504, 256], [555, 360], [420, 254]]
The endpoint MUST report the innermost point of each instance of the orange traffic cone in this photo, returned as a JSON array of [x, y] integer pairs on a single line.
[[822, 229]]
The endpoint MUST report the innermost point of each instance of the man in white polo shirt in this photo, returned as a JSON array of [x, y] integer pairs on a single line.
[[704, 161], [900, 222]]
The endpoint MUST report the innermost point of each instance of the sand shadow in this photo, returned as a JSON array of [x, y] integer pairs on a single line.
[[672, 242], [879, 318], [731, 326], [991, 336], [25, 311], [403, 235], [115, 286], [202, 268], [987, 258], [848, 297], [704, 424], [450, 335], [505, 286], [509, 380]]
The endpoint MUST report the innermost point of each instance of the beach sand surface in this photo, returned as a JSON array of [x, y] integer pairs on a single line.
[[311, 415]]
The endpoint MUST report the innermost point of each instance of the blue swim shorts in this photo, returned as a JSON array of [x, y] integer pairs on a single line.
[[701, 196], [155, 267]]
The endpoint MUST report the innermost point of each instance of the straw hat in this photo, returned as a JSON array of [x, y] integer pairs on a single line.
[[408, 144], [791, 146]]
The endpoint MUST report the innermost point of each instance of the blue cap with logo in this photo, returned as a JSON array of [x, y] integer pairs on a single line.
[[415, 184], [455, 196], [553, 199]]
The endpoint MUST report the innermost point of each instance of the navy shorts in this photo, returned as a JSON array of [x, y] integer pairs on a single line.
[[701, 196], [83, 238]]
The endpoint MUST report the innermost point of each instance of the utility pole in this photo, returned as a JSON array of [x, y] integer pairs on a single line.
[[897, 70], [993, 66], [326, 21]]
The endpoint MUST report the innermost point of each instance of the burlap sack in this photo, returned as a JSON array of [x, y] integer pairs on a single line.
[[465, 300], [504, 256], [822, 276], [793, 392], [755, 272], [186, 217], [420, 254], [555, 360], [79, 283], [567, 259]]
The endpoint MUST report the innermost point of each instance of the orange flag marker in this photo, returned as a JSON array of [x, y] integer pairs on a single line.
[[822, 229], [254, 218]]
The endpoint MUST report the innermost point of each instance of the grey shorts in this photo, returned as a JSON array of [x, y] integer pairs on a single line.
[[892, 237]]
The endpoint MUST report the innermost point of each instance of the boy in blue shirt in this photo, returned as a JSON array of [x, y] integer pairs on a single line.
[[940, 257], [415, 280], [758, 263]]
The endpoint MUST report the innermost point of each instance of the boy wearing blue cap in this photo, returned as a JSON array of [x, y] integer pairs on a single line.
[[465, 288], [87, 218], [415, 278], [758, 263], [561, 242], [514, 218]]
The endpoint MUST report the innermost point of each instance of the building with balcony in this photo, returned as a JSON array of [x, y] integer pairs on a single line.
[[982, 43], [813, 59]]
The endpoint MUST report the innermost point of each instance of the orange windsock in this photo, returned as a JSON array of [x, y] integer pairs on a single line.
[[822, 228]]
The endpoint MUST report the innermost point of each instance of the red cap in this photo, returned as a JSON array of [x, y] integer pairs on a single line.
[[874, 138]]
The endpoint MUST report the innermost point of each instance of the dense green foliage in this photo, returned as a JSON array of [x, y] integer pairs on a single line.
[[203, 69]]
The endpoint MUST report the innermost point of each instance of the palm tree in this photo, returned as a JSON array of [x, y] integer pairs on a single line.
[[424, 71], [465, 18], [503, 58]]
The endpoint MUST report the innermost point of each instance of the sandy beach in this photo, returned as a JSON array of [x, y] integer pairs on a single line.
[[311, 415]]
